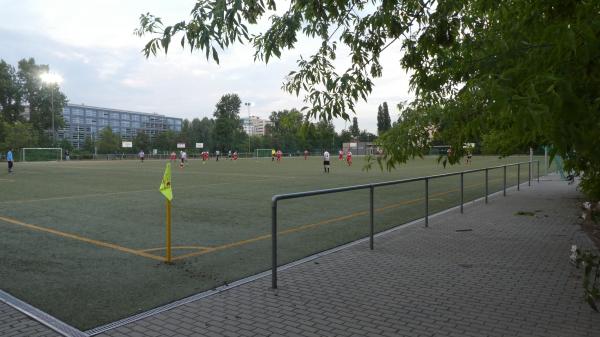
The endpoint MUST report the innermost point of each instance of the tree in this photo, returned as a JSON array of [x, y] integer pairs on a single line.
[[513, 73], [11, 95], [354, 129], [286, 130], [141, 142], [345, 136], [203, 131], [41, 97], [165, 141], [228, 128], [89, 145], [20, 135], [366, 136], [66, 145], [384, 122], [110, 142], [326, 135]]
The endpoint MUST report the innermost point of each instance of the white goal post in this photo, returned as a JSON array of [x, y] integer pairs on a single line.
[[41, 154], [263, 153]]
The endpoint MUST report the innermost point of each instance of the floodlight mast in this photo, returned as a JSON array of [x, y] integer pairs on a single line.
[[52, 79], [250, 127]]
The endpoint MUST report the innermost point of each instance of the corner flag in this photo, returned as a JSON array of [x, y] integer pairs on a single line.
[[165, 185]]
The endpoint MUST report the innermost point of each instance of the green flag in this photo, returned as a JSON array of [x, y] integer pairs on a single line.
[[165, 185]]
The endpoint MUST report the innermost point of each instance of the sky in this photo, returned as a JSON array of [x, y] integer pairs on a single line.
[[92, 46]]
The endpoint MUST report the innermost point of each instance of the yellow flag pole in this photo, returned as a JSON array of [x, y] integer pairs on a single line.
[[168, 231]]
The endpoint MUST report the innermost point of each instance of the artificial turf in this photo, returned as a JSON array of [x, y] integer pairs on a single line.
[[83, 240]]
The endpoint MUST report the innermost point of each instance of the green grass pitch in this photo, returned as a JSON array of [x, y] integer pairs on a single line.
[[84, 241]]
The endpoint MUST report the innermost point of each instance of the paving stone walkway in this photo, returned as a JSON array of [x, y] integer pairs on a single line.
[[489, 272], [13, 323]]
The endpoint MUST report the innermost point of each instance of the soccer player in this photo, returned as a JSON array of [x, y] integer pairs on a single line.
[[229, 155], [349, 158], [217, 154], [279, 154], [273, 154], [183, 159], [306, 154], [235, 155], [10, 160], [341, 155], [173, 156], [326, 161], [141, 155]]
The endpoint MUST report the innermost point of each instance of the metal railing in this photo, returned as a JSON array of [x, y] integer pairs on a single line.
[[276, 198]]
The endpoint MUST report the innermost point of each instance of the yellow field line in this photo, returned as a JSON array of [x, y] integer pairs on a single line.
[[177, 247], [83, 239], [205, 250], [324, 222]]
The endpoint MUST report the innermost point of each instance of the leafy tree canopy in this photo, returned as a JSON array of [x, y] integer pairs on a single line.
[[11, 94], [511, 73], [384, 122], [110, 142], [45, 100], [354, 129], [228, 128]]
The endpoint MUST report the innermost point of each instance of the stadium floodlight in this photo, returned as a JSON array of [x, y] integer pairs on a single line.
[[52, 78]]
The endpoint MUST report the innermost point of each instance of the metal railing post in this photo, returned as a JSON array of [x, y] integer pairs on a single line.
[[426, 202], [274, 244], [529, 173], [462, 191], [519, 177], [486, 185], [538, 173], [371, 217], [504, 186]]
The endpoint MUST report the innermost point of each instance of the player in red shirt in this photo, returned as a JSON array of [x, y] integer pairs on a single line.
[[305, 154], [279, 153], [235, 155], [341, 155], [173, 156], [349, 158]]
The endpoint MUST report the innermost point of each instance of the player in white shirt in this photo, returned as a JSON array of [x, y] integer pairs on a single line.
[[326, 161], [183, 158]]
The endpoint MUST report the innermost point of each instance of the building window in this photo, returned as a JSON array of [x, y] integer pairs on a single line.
[[125, 116], [114, 115], [90, 113]]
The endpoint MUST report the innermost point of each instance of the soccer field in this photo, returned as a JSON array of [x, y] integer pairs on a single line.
[[84, 241]]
